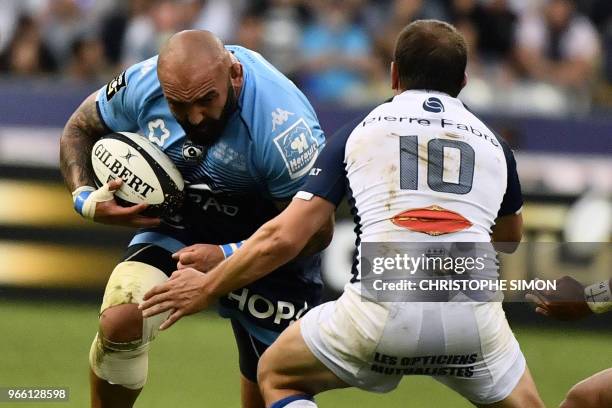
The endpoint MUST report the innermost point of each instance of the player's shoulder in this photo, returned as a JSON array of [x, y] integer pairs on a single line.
[[269, 99], [271, 105], [138, 81], [496, 139], [371, 122]]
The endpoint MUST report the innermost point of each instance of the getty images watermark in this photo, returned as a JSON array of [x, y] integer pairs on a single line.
[[463, 272]]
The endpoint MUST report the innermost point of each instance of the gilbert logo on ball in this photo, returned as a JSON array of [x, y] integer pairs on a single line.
[[149, 175]]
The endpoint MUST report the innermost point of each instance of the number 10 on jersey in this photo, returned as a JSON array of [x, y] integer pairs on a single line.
[[437, 151]]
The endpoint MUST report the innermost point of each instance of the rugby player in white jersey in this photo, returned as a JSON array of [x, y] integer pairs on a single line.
[[419, 168], [572, 301]]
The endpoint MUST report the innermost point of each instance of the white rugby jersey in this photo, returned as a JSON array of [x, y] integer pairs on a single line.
[[419, 168]]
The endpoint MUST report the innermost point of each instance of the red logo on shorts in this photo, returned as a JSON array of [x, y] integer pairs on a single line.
[[432, 220]]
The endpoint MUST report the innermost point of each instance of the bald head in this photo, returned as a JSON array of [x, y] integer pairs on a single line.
[[189, 56], [201, 81]]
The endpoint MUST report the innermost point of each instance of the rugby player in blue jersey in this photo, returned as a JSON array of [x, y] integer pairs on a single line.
[[243, 136]]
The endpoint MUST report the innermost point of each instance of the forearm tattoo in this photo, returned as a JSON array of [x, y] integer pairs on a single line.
[[80, 133]]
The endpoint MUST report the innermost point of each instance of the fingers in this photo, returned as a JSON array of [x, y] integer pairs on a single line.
[[173, 318], [187, 249], [542, 306], [181, 251], [533, 298], [155, 290], [157, 308], [181, 266], [538, 298], [187, 258], [131, 210], [115, 184]]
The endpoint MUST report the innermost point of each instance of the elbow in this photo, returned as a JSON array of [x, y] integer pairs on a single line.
[[507, 233], [507, 247], [508, 243], [324, 237]]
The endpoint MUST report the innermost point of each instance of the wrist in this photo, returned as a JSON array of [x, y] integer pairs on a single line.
[[211, 291], [80, 195], [599, 297], [229, 249]]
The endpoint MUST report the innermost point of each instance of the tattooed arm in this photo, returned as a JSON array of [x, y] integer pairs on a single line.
[[80, 133]]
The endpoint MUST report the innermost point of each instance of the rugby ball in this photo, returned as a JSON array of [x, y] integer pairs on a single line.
[[148, 175]]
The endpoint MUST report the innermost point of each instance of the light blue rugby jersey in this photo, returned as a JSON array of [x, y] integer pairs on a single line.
[[268, 145]]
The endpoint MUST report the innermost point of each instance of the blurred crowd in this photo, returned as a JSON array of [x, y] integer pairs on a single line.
[[550, 57]]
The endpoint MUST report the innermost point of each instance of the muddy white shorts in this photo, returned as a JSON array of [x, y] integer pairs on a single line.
[[467, 346]]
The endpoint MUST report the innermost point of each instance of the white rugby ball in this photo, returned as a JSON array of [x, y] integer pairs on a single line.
[[148, 175]]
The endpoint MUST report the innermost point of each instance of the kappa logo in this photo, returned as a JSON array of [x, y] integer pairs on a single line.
[[433, 105], [279, 117], [114, 86], [298, 148], [158, 133]]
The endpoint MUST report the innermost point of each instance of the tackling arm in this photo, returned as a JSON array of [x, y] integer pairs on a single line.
[[275, 243], [571, 300], [320, 239]]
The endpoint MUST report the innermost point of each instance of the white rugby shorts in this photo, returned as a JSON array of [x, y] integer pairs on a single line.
[[467, 346]]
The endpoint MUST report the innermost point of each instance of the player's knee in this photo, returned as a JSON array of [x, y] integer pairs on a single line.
[[581, 395], [119, 353], [121, 323], [120, 319]]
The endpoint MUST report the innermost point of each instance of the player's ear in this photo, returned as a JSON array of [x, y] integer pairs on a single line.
[[464, 83], [235, 70], [236, 74], [395, 83]]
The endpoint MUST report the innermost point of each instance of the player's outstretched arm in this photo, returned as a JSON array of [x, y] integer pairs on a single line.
[[571, 300], [273, 244], [320, 240]]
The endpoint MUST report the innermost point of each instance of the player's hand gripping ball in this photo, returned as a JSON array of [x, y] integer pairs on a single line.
[[148, 175]]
